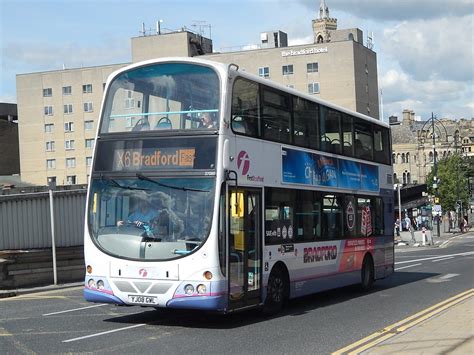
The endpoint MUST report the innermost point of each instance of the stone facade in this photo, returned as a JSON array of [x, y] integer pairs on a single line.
[[412, 145]]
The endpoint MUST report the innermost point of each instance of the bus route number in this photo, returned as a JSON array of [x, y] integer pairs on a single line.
[[142, 299]]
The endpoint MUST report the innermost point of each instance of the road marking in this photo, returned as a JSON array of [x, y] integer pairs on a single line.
[[103, 333], [450, 257], [436, 257], [396, 328], [443, 278], [75, 309], [406, 267]]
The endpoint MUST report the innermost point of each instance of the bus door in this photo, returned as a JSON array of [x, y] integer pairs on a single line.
[[245, 247]]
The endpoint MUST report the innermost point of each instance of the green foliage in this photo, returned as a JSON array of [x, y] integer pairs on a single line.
[[453, 182]]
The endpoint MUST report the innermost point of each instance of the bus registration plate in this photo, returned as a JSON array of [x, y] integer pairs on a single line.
[[139, 299]]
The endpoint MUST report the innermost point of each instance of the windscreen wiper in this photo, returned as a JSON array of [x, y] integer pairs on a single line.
[[114, 182], [143, 177]]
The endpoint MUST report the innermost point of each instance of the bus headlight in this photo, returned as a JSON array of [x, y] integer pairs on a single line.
[[100, 285], [91, 283], [189, 289], [201, 289]]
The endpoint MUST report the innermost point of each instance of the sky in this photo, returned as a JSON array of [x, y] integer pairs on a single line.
[[425, 48]]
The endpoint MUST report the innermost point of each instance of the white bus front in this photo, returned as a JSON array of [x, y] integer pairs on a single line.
[[150, 233]]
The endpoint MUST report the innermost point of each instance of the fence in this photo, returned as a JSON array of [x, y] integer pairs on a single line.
[[25, 220]]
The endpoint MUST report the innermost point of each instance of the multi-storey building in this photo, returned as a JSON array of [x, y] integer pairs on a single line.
[[414, 149], [59, 110]]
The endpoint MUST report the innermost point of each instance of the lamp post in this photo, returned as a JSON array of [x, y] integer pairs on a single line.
[[435, 126], [435, 171]]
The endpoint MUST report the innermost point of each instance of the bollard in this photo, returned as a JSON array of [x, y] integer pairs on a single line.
[[423, 235]]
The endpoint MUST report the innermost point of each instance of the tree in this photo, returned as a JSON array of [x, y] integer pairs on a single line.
[[452, 179]]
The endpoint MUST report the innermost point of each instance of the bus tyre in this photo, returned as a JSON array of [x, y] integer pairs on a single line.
[[277, 291], [367, 274]]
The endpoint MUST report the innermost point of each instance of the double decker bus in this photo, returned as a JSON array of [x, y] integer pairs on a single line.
[[282, 195]]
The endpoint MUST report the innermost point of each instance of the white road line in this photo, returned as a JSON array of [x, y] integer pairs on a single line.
[[406, 267], [435, 261], [75, 309], [443, 278], [103, 333], [435, 257]]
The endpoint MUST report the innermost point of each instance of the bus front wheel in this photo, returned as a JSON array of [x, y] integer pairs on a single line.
[[277, 291], [367, 274]]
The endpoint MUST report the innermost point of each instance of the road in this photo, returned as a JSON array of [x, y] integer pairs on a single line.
[[60, 321]]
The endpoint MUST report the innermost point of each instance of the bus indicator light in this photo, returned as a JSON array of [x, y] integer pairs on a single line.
[[89, 269], [208, 275]]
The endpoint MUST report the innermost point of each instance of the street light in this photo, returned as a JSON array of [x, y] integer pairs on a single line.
[[433, 120]]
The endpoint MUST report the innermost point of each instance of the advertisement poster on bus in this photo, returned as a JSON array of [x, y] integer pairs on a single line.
[[306, 168]]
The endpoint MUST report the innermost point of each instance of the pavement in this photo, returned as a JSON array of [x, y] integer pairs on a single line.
[[425, 238], [445, 328], [448, 330]]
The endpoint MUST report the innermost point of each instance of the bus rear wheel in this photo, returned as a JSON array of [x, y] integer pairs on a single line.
[[277, 291], [367, 274]]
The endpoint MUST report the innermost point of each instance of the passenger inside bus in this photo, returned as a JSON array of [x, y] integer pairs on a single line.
[[207, 121]]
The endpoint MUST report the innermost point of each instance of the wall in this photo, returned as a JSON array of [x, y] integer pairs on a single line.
[[9, 156]]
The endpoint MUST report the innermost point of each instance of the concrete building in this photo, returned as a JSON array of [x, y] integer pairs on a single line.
[[59, 110]]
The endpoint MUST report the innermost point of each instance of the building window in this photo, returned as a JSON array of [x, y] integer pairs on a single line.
[[68, 108], [49, 127], [312, 67], [264, 72], [129, 101], [69, 144], [50, 146], [52, 180], [88, 125], [71, 180], [48, 110], [47, 92], [70, 162], [87, 89], [287, 69], [90, 143], [313, 88], [51, 164], [88, 161], [68, 126], [67, 90], [88, 107]]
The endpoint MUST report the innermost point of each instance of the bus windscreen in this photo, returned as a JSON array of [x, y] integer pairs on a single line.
[[166, 96]]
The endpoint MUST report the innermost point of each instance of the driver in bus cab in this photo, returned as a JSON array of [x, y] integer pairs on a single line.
[[143, 214]]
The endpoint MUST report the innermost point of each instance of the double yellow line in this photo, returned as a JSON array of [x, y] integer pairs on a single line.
[[396, 328]]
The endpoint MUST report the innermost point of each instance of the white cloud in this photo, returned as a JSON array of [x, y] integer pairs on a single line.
[[434, 49], [397, 10]]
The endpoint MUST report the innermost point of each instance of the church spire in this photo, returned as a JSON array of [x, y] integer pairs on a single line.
[[323, 10], [323, 26]]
